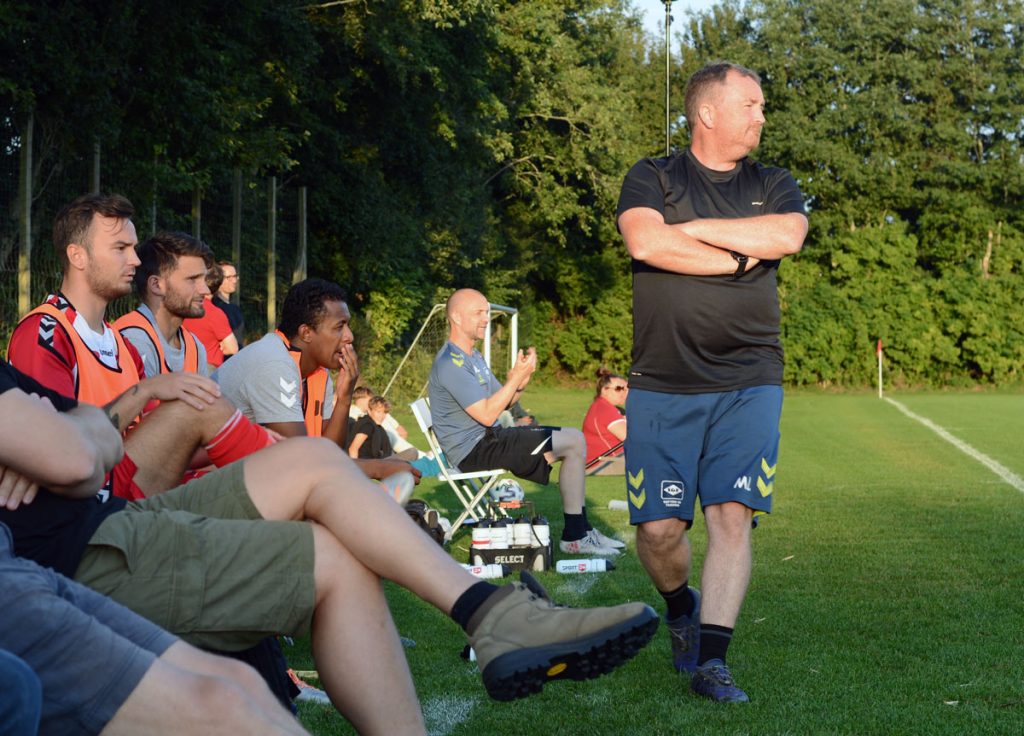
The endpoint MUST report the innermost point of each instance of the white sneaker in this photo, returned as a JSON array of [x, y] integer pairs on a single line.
[[308, 693], [605, 541], [588, 545]]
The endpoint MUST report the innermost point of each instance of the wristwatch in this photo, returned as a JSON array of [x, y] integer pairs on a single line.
[[741, 263]]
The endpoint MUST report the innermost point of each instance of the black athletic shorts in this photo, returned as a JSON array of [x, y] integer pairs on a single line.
[[520, 450]]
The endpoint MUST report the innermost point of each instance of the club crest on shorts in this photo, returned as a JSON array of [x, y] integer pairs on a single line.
[[672, 492]]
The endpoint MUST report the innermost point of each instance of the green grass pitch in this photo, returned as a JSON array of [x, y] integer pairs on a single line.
[[887, 594]]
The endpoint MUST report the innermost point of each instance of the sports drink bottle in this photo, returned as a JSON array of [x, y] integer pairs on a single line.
[[596, 564], [487, 571]]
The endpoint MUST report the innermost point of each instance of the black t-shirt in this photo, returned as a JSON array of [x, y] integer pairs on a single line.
[[702, 334], [377, 444], [53, 530]]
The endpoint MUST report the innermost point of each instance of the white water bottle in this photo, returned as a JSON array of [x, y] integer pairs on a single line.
[[596, 564], [541, 531], [522, 532], [501, 534], [618, 504], [482, 535], [487, 571]]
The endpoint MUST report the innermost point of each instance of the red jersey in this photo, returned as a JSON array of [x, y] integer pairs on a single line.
[[42, 347], [46, 346], [600, 415], [210, 329]]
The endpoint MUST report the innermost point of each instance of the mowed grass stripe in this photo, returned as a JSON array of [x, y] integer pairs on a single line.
[[886, 585]]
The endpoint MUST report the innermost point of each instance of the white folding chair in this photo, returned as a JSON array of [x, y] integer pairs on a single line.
[[470, 488]]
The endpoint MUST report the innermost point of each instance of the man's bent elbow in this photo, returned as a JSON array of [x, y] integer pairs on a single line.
[[792, 239], [792, 247], [638, 251]]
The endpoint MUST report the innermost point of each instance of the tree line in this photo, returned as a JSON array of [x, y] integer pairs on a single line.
[[483, 142]]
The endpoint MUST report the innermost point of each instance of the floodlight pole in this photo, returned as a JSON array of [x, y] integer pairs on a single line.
[[668, 25]]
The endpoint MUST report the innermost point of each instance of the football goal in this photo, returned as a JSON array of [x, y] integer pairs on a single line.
[[501, 343]]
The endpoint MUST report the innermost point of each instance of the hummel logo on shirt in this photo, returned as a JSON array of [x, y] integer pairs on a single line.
[[287, 397]]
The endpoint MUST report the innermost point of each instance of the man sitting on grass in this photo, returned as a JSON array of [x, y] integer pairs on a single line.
[[283, 382], [67, 346], [100, 666], [298, 519], [171, 282]]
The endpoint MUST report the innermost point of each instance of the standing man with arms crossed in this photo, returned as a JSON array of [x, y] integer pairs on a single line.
[[706, 229]]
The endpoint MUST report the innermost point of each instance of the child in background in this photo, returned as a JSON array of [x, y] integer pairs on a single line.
[[369, 438]]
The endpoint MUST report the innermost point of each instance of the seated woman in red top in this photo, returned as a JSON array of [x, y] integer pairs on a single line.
[[604, 427]]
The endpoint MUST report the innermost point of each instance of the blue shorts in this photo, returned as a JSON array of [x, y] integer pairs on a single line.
[[89, 652], [720, 446]]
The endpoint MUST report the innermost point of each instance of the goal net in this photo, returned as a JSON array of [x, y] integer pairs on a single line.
[[500, 345]]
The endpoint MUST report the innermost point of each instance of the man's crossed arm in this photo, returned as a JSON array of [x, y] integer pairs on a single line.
[[68, 452], [701, 247]]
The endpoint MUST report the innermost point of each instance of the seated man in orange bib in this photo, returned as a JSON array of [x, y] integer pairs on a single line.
[[171, 282], [282, 380], [66, 345]]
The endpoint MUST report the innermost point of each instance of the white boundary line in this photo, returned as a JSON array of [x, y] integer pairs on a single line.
[[1002, 471]]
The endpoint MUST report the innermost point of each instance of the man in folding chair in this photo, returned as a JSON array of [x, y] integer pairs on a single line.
[[465, 402]]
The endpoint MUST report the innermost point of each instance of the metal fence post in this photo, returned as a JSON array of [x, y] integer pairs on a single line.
[[25, 217], [272, 253], [236, 226], [300, 258], [95, 188], [197, 213]]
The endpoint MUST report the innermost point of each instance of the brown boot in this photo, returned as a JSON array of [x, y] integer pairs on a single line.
[[522, 639]]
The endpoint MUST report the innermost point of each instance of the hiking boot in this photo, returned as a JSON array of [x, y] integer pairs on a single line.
[[587, 545], [522, 640], [685, 635], [713, 680], [605, 541]]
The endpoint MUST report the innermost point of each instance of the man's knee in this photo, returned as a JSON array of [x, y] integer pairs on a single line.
[[219, 699], [729, 520], [335, 568], [660, 533], [237, 672], [569, 441], [180, 415]]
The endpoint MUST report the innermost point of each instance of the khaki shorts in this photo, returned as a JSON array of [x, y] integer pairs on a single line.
[[201, 562]]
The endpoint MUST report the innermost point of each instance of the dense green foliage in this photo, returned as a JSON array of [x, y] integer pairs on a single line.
[[482, 143]]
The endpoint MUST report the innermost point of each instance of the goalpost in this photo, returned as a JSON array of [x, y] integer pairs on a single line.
[[501, 344]]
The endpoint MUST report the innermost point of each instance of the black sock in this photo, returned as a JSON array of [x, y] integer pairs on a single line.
[[714, 642], [680, 601], [575, 527], [469, 601], [586, 521]]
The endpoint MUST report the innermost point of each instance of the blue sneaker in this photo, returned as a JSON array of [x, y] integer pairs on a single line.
[[713, 680], [684, 633]]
